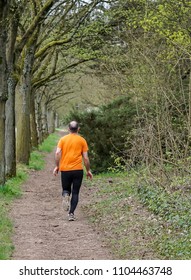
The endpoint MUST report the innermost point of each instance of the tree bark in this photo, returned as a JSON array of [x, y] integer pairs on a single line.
[[39, 119], [3, 84], [51, 121], [10, 137], [23, 115], [44, 121], [34, 134], [56, 121], [2, 142]]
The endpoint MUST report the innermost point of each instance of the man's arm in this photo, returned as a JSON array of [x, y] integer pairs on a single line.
[[57, 160], [87, 164]]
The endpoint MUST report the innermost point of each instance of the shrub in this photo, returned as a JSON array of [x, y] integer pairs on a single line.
[[106, 130]]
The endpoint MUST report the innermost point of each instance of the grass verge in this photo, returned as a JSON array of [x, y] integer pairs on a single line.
[[141, 220], [8, 192], [37, 156], [12, 190]]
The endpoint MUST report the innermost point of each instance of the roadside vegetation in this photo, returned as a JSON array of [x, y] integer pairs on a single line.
[[141, 220], [13, 189], [143, 203]]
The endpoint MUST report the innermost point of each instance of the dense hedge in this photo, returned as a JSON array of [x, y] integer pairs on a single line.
[[106, 130]]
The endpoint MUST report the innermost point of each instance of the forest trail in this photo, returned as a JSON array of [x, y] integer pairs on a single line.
[[41, 227]]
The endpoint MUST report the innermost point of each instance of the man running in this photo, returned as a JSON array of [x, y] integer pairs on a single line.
[[71, 153]]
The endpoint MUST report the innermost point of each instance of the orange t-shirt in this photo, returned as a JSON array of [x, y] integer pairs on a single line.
[[72, 146]]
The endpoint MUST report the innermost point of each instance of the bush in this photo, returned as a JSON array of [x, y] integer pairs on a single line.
[[106, 130]]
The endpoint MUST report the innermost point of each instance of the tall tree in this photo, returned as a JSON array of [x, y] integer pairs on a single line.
[[27, 48], [4, 6], [10, 144], [58, 23]]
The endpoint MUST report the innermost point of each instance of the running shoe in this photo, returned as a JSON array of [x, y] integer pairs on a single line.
[[71, 217]]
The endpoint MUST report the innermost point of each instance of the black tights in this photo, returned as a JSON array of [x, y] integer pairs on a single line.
[[71, 183]]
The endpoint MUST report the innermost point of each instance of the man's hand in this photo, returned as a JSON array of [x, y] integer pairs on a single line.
[[89, 175], [55, 171]]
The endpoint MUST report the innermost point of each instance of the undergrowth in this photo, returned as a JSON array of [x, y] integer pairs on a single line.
[[8, 192], [174, 208], [37, 156], [140, 219]]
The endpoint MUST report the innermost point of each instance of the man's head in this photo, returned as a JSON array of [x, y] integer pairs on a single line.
[[73, 126]]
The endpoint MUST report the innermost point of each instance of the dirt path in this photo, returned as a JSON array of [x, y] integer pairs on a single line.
[[41, 227]]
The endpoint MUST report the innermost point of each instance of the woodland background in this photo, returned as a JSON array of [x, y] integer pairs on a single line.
[[122, 68]]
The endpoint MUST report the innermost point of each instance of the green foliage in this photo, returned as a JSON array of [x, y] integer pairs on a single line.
[[173, 207], [175, 246], [125, 206], [170, 20], [49, 143], [8, 192], [116, 211], [6, 246], [36, 161], [12, 186], [105, 130], [119, 165], [37, 157]]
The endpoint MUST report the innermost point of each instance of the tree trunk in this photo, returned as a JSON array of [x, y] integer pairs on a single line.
[[10, 137], [34, 134], [2, 142], [51, 121], [38, 120], [23, 113], [3, 85], [23, 126], [187, 146], [56, 121], [44, 121]]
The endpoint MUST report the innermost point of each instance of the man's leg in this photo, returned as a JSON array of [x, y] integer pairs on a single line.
[[77, 181], [66, 180]]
